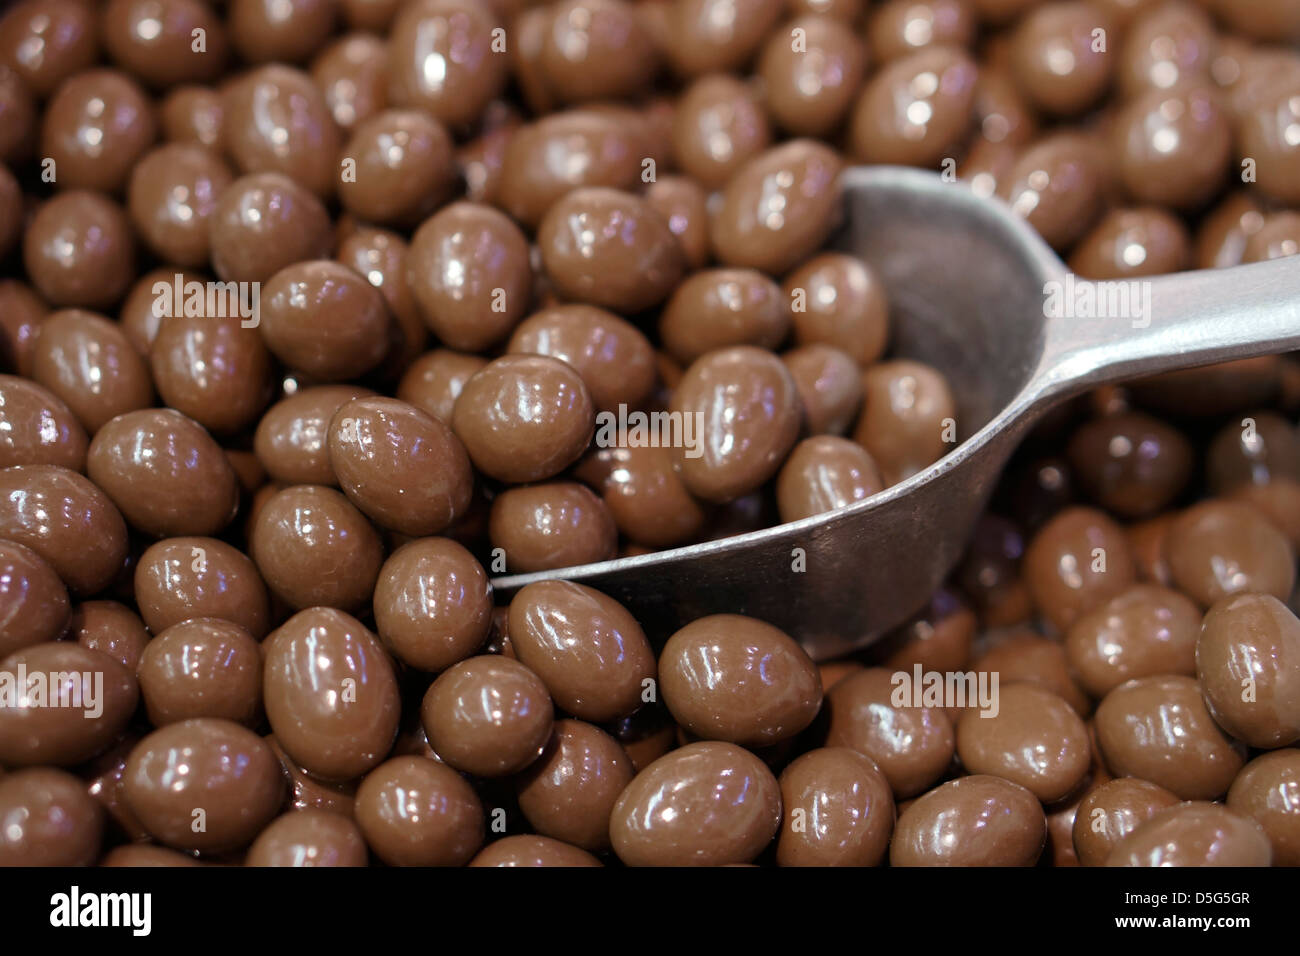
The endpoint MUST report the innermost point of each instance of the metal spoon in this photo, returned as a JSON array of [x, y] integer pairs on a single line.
[[970, 289]]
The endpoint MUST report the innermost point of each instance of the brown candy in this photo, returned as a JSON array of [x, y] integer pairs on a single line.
[[911, 745], [1059, 56], [829, 386], [1057, 185], [1217, 548], [314, 548], [415, 811], [524, 417], [46, 42], [1166, 45], [706, 804], [202, 667], [192, 114], [1194, 834], [558, 524], [644, 493], [330, 693], [1111, 812], [1077, 561], [66, 520], [264, 223], [1034, 739], [403, 468], [717, 308], [489, 716], [89, 363], [165, 473], [745, 407], [40, 428], [73, 705], [447, 58], [172, 198], [323, 319], [779, 207], [156, 40], [34, 604], [79, 251], [1248, 664], [434, 381], [1145, 631], [908, 417], [206, 770], [214, 369], [719, 125], [609, 248], [1266, 790], [569, 793], [915, 109], [1173, 146], [972, 821], [468, 269], [352, 74], [838, 810], [529, 850], [291, 441], [309, 838], [291, 30], [596, 49], [838, 300], [95, 128], [1158, 728], [1129, 243], [49, 819], [824, 473], [182, 578], [403, 168]]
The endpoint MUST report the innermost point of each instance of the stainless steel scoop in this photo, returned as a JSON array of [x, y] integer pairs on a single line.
[[970, 291]]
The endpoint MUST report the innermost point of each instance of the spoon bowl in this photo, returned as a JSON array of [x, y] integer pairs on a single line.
[[976, 293]]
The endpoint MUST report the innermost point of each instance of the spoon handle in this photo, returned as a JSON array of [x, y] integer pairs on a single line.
[[1101, 332]]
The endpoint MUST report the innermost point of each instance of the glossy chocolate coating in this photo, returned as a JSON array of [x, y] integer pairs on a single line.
[[352, 74], [613, 356], [90, 364], [489, 716], [1111, 812], [838, 300], [907, 418], [263, 223], [276, 121], [972, 821], [469, 272], [557, 524], [172, 198], [824, 473], [749, 407], [717, 308], [528, 850], [289, 30], [569, 793], [1248, 665], [40, 428], [164, 472], [34, 605], [66, 520], [1035, 739], [644, 493], [205, 771], [433, 604], [442, 59], [202, 667], [1076, 562], [47, 819], [915, 110], [155, 40], [779, 207], [1217, 548], [1194, 834], [46, 41], [330, 693], [718, 125], [912, 746], [403, 468], [1145, 631], [1158, 728], [705, 804], [838, 810], [1128, 243], [324, 319], [291, 441], [1266, 790], [404, 168], [95, 128], [309, 838], [610, 249], [79, 250], [1131, 463], [524, 417]]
